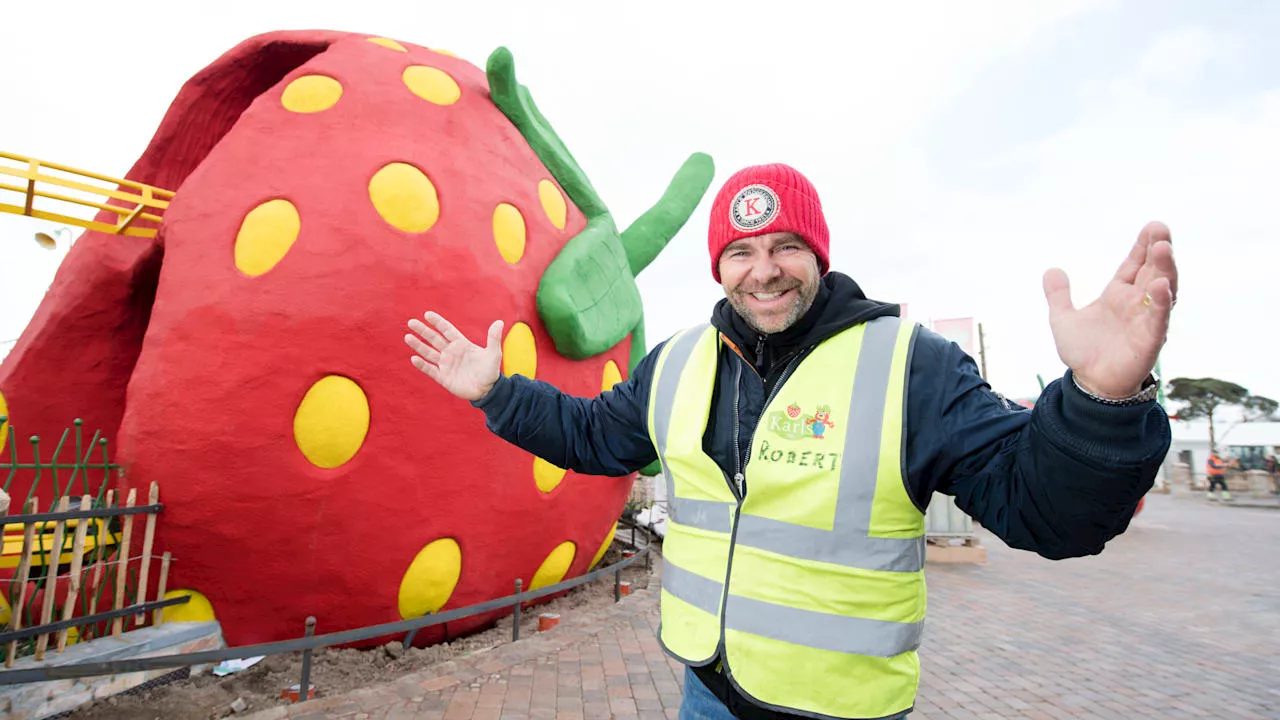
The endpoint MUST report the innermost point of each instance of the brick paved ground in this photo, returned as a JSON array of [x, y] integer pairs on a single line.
[[1180, 618]]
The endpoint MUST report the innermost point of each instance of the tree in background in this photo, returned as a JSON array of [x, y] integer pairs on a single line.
[[1202, 397]]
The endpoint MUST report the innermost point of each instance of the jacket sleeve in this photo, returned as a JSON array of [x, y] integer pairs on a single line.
[[605, 435], [1060, 480]]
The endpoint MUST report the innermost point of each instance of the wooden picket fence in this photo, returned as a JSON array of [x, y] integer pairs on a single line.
[[80, 538], [81, 541], [89, 548]]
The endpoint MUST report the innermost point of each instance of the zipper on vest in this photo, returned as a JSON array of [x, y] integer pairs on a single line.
[[724, 598], [740, 477], [739, 480], [743, 459], [738, 486]]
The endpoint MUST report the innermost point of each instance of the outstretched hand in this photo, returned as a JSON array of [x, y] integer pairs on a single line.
[[1112, 343], [445, 355]]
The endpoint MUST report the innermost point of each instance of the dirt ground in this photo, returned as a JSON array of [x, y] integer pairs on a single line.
[[334, 671]]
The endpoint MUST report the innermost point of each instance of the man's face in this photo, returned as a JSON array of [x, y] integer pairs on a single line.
[[771, 280]]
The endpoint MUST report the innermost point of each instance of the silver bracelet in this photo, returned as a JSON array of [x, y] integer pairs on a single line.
[[1150, 390]]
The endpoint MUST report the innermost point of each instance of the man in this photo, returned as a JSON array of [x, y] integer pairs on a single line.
[[792, 576], [1216, 472]]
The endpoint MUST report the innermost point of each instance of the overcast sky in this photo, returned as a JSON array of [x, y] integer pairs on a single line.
[[960, 149]]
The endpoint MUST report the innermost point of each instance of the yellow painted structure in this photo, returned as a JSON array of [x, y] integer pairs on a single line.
[[332, 421], [520, 352], [58, 190], [554, 567], [553, 203], [197, 609], [431, 578], [546, 475], [12, 543]]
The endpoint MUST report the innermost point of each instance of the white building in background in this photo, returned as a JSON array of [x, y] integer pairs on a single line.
[[1247, 442]]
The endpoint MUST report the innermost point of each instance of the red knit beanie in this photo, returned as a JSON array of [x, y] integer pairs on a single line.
[[766, 199]]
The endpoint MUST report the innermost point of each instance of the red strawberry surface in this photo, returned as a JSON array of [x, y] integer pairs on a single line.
[[261, 530], [329, 187]]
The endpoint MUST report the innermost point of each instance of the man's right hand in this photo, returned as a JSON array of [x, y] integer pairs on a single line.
[[446, 355]]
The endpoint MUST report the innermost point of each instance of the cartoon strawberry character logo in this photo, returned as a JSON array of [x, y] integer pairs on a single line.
[[820, 421], [793, 411]]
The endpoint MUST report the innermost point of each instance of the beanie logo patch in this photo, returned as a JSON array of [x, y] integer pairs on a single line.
[[753, 208]]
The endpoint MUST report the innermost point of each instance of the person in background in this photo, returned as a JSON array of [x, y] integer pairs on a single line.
[[1216, 472]]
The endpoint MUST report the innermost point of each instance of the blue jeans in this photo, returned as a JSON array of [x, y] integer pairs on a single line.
[[699, 703]]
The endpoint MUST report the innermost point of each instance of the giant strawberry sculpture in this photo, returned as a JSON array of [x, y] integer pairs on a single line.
[[328, 186]]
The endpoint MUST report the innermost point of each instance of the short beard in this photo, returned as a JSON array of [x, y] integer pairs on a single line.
[[804, 301]]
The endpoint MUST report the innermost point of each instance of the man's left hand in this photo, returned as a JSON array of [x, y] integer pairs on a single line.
[[1111, 344]]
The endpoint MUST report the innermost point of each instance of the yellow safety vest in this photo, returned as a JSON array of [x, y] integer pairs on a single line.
[[811, 588]]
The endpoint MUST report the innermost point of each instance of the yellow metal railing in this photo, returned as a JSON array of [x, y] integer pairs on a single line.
[[13, 539], [38, 180]]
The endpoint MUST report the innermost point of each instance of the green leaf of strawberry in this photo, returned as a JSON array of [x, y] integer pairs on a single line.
[[588, 297]]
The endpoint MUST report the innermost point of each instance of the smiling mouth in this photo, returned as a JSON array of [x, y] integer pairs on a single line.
[[770, 296]]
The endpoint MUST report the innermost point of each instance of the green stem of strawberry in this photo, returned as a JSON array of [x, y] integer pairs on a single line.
[[514, 100], [650, 233], [587, 298]]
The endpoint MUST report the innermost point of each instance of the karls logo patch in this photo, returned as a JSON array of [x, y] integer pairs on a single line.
[[793, 424], [753, 208]]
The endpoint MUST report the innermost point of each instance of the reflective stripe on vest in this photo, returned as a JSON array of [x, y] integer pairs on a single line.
[[853, 564], [712, 515], [823, 631]]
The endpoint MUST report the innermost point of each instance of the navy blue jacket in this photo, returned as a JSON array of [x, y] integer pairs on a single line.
[[1060, 480]]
